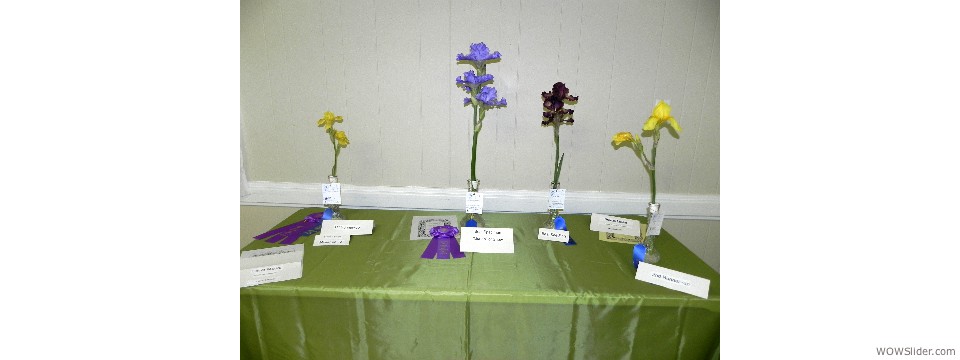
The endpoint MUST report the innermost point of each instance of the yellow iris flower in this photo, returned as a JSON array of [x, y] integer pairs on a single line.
[[342, 139], [328, 119], [661, 114], [622, 137]]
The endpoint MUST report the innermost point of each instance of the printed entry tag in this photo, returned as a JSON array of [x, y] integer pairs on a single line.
[[557, 199], [474, 203], [331, 194]]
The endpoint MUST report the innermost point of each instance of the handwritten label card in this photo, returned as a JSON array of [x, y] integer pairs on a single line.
[[486, 240], [474, 203], [672, 279], [331, 239], [553, 235], [557, 199], [347, 227], [331, 194], [613, 224], [656, 221]]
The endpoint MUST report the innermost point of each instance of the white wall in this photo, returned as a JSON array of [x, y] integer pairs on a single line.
[[389, 66]]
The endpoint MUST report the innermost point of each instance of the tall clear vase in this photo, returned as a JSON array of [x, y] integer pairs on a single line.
[[335, 208], [653, 255], [473, 219], [552, 213]]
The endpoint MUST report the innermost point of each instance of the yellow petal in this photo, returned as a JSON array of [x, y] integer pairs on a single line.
[[651, 124], [661, 111], [674, 124], [622, 137], [342, 138]]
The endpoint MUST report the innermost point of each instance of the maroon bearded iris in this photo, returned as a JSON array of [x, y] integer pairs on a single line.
[[553, 101]]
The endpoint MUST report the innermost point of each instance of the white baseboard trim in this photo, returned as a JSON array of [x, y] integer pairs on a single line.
[[676, 206]]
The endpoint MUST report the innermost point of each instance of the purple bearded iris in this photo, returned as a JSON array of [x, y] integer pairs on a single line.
[[488, 96], [481, 96], [470, 80], [553, 104], [479, 53]]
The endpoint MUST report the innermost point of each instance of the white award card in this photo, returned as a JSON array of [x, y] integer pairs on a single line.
[[271, 265], [288, 253], [613, 224], [331, 239], [331, 193], [420, 228], [557, 199], [553, 235], [486, 240], [672, 279], [347, 227]]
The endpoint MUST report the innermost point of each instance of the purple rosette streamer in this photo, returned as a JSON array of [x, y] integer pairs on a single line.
[[289, 234], [444, 243]]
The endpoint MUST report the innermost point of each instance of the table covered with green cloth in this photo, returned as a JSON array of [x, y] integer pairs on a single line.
[[378, 299]]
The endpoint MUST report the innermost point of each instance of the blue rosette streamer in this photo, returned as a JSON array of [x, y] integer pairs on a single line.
[[560, 224]]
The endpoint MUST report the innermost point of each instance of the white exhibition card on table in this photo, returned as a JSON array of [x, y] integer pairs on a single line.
[[672, 279], [420, 228], [347, 227], [331, 239], [553, 235], [331, 194], [271, 265], [486, 240], [613, 224], [474, 203], [557, 199], [656, 222]]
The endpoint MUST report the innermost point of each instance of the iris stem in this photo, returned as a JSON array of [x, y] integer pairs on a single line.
[[557, 161], [336, 151], [476, 133], [653, 166]]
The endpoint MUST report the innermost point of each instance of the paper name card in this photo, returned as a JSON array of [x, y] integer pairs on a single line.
[[486, 240], [271, 265], [474, 203], [672, 279], [331, 193], [613, 224], [347, 227], [656, 222], [553, 235], [331, 239], [557, 199]]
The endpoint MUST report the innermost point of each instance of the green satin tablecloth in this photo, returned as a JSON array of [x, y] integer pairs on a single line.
[[377, 299]]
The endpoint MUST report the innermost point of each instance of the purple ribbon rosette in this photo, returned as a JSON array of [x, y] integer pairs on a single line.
[[444, 243], [289, 234]]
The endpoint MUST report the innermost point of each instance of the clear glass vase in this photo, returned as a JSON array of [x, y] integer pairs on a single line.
[[552, 214], [473, 186], [653, 255], [335, 208]]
